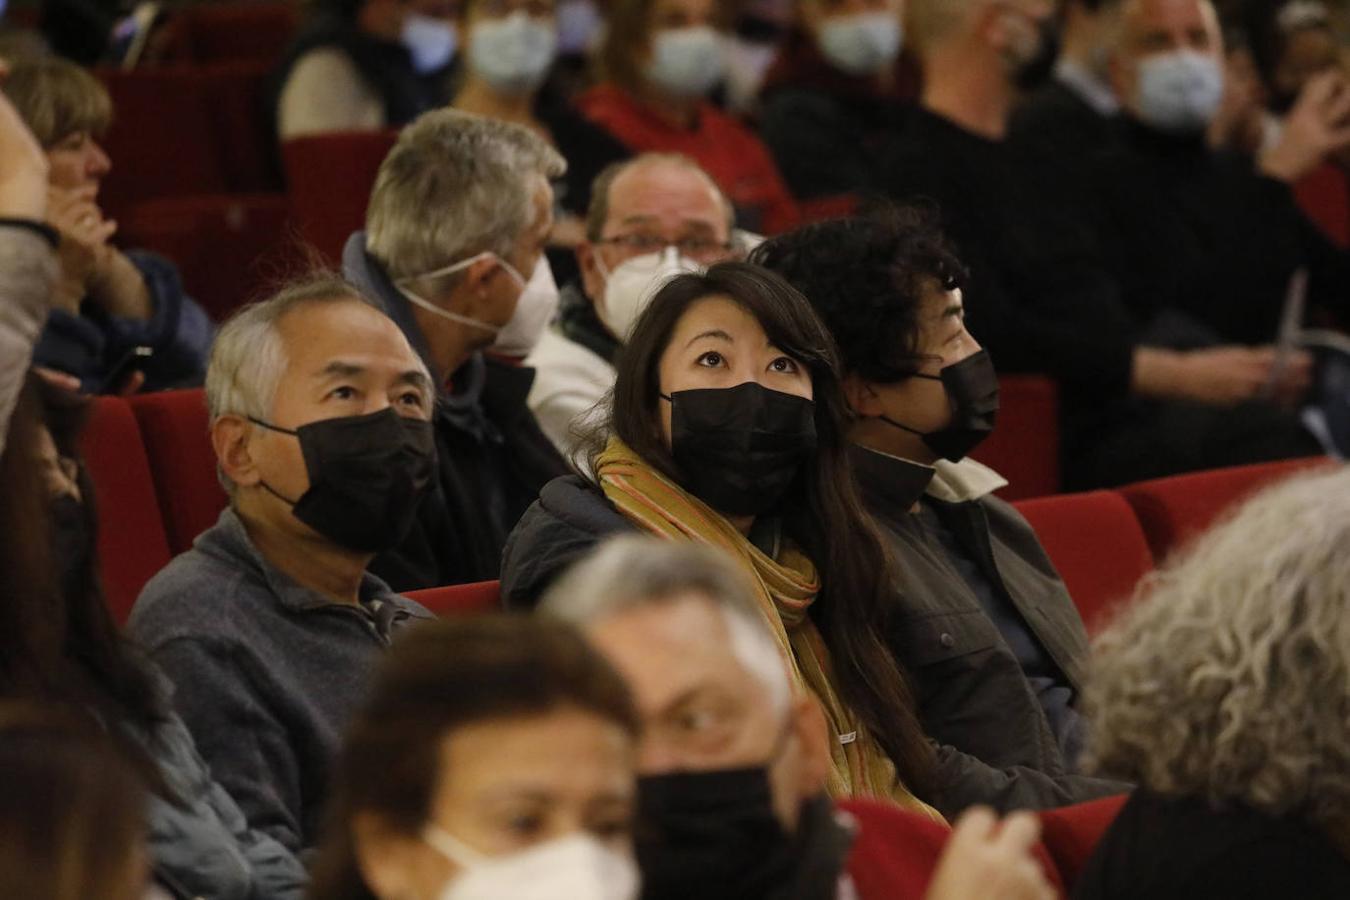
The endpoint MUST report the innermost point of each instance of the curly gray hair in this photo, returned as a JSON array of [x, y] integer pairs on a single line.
[[1229, 677]]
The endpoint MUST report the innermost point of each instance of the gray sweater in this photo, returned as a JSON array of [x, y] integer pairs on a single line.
[[266, 672]]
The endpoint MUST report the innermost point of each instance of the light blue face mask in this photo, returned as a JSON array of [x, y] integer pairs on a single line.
[[686, 62], [430, 41], [1179, 92], [513, 53], [861, 43]]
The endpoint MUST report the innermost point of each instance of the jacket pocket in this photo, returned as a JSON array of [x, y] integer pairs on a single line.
[[925, 640]]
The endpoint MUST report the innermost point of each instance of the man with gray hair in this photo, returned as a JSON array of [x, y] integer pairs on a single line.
[[270, 624], [453, 251], [732, 763]]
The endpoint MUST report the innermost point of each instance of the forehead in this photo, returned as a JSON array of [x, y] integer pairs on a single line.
[[1169, 15], [718, 313], [316, 333], [665, 190], [693, 8]]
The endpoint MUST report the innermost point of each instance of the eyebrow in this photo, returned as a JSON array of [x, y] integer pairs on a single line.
[[341, 369], [954, 310], [717, 333]]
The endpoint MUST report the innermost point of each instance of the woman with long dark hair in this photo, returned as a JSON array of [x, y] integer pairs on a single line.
[[727, 428]]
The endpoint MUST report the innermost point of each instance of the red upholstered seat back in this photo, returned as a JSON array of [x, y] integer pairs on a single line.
[[1324, 196], [225, 32], [132, 545], [1174, 510], [1097, 545], [1071, 833], [329, 178], [174, 425], [481, 597], [1024, 448]]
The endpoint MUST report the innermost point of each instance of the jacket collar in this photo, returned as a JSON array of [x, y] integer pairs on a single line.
[[964, 481], [228, 540], [900, 482]]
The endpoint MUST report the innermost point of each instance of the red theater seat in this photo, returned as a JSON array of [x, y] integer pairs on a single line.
[[183, 462], [1024, 448], [1174, 510], [1324, 196], [329, 178], [1071, 833], [482, 597], [1097, 545], [132, 545], [228, 32]]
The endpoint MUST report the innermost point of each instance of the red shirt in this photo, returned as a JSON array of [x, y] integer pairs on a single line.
[[732, 154]]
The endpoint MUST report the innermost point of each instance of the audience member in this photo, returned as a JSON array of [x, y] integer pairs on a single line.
[[1041, 298], [726, 429], [493, 759], [1291, 43], [60, 645], [269, 626], [363, 65], [453, 251], [650, 218], [107, 305], [1221, 238], [72, 809], [993, 644], [510, 47], [1223, 691], [835, 95], [657, 64], [733, 761], [1071, 117]]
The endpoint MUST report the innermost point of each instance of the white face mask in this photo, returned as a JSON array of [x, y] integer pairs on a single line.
[[862, 43], [577, 867], [1179, 92], [450, 270], [579, 26], [534, 310], [431, 41], [633, 283], [686, 62], [513, 54]]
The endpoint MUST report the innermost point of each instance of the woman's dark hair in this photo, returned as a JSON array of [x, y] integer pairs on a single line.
[[57, 638], [823, 513], [866, 277], [439, 677], [72, 806]]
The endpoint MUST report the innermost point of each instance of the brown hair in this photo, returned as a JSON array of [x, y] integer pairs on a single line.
[[628, 33], [56, 98], [72, 807], [823, 512], [441, 676]]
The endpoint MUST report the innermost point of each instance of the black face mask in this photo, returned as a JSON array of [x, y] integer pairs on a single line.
[[366, 476], [740, 448], [972, 392], [711, 835]]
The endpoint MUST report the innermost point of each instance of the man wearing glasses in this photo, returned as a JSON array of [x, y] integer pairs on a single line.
[[650, 218]]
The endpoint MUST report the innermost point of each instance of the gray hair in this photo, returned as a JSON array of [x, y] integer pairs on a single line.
[[633, 572], [454, 185], [1229, 676]]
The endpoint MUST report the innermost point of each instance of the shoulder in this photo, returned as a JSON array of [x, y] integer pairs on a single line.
[[558, 361], [321, 66]]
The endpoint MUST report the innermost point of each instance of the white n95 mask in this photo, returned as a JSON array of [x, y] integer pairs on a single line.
[[686, 62], [1180, 91], [633, 283], [513, 54], [534, 310], [577, 867], [861, 43]]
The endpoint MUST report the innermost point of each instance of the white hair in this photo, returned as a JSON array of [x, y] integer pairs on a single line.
[[632, 572], [455, 185]]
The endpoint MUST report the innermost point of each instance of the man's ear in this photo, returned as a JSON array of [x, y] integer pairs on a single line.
[[591, 280], [862, 397], [813, 736], [230, 438]]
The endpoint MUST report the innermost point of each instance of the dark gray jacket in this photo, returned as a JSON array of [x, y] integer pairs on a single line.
[[266, 672], [997, 746]]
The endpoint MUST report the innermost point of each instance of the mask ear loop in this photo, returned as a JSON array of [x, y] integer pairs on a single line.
[[279, 430], [451, 847]]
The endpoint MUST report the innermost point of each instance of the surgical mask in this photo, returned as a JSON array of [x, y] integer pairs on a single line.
[[862, 43], [430, 41], [367, 475], [633, 283], [450, 270], [513, 54], [1179, 92], [740, 448], [686, 62], [576, 867], [579, 26], [534, 310], [972, 393]]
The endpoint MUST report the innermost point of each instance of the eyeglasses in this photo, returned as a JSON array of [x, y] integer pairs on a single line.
[[692, 247]]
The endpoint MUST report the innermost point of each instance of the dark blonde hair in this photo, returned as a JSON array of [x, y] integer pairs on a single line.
[[56, 98]]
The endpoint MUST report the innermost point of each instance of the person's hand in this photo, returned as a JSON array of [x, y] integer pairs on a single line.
[[1316, 128], [1227, 376], [84, 247], [986, 860], [23, 167]]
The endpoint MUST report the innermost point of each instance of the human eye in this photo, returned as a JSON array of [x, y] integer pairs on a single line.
[[343, 392], [525, 825], [609, 826], [712, 360], [413, 399], [785, 365], [695, 247]]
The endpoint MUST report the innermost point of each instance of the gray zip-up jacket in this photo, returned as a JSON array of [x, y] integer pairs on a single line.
[[266, 673]]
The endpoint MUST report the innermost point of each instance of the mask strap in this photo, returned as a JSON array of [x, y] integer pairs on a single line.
[[267, 487], [666, 397], [447, 314], [270, 427], [926, 376], [894, 424], [451, 847]]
